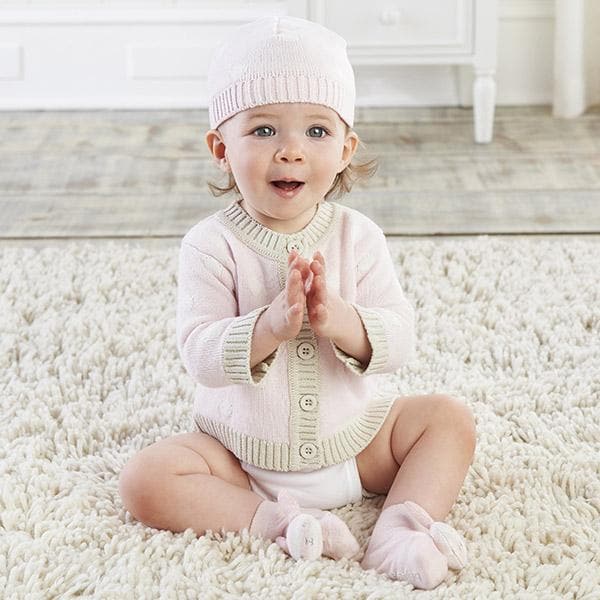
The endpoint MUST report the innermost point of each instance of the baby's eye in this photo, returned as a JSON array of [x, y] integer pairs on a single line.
[[322, 130], [262, 128]]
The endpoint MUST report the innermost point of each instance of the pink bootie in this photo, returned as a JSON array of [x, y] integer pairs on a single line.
[[303, 538], [408, 545], [338, 541], [298, 534], [303, 533], [448, 541]]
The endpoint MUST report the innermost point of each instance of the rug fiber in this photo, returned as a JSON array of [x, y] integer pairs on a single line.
[[89, 375]]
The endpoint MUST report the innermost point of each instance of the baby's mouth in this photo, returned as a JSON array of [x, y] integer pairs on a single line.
[[287, 185]]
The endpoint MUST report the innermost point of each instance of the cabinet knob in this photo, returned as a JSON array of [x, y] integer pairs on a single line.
[[390, 16]]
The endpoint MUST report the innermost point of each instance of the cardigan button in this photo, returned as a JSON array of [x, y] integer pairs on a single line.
[[305, 351], [308, 402], [295, 245], [308, 450]]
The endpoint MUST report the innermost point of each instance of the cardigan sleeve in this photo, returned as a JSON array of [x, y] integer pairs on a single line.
[[214, 342], [386, 314]]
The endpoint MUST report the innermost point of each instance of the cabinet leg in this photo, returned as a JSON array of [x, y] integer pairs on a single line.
[[484, 100]]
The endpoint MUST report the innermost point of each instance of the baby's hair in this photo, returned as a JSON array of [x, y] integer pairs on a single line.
[[342, 183]]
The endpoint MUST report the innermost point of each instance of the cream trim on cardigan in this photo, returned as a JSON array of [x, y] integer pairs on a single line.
[[279, 457], [306, 448]]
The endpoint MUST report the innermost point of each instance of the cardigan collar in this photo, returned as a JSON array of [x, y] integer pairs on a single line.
[[271, 243]]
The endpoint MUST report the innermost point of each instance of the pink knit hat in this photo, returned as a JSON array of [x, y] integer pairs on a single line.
[[280, 59]]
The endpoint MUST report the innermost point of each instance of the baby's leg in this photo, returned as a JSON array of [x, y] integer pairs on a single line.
[[188, 481], [419, 458], [422, 453], [192, 481]]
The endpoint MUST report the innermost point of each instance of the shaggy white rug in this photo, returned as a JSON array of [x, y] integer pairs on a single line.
[[89, 375]]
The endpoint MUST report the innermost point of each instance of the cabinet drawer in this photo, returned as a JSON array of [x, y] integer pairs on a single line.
[[404, 27]]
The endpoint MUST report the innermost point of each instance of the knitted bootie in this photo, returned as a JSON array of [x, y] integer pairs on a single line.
[[448, 541], [407, 544], [303, 532], [297, 533], [338, 541]]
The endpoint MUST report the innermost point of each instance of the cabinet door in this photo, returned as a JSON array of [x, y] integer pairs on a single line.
[[403, 27]]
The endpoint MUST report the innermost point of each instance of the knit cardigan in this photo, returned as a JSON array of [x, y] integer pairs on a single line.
[[309, 404]]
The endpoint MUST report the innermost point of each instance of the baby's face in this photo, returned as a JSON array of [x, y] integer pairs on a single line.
[[304, 143]]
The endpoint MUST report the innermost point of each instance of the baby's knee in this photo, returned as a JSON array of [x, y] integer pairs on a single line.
[[458, 416], [137, 488]]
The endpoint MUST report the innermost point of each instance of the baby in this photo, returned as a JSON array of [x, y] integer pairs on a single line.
[[288, 307]]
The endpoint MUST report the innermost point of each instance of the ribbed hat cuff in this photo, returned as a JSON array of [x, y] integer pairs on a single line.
[[276, 89]]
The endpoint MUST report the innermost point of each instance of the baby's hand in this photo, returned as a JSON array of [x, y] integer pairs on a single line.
[[326, 309], [287, 309]]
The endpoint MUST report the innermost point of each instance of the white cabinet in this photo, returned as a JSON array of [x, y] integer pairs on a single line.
[[394, 30], [422, 32], [115, 54]]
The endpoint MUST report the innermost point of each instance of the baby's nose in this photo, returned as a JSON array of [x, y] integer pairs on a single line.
[[290, 153]]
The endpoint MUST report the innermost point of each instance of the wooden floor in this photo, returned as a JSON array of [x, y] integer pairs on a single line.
[[142, 174]]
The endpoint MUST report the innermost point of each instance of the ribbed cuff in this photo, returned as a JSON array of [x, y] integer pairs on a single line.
[[237, 348], [375, 329]]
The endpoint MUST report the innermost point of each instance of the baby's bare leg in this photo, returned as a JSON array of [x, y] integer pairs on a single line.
[[420, 457], [422, 453], [188, 481]]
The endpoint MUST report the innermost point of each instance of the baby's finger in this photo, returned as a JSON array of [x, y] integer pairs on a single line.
[[293, 279], [294, 288], [318, 264], [320, 296], [301, 264], [308, 283]]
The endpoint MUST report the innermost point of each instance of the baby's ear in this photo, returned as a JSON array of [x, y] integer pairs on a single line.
[[216, 146], [350, 147]]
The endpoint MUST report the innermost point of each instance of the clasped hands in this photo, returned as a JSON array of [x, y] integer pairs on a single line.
[[306, 286], [329, 314]]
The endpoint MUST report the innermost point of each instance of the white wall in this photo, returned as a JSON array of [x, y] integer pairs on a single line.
[[592, 51], [524, 74]]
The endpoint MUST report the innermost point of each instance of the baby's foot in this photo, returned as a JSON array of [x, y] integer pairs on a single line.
[[303, 538], [336, 539], [448, 541], [407, 544], [298, 534]]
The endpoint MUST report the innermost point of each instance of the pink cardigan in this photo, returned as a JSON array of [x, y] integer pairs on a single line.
[[308, 405]]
